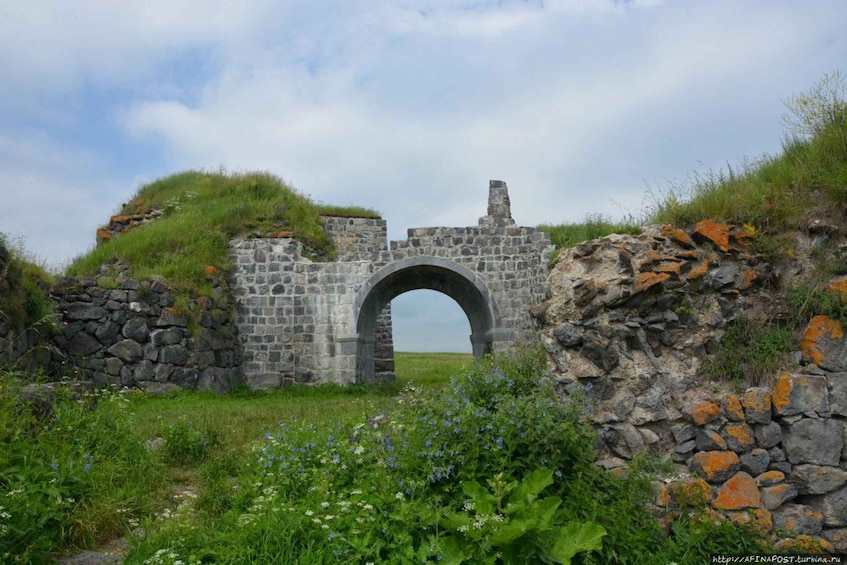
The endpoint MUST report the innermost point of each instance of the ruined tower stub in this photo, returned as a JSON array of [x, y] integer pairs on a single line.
[[499, 207], [303, 321]]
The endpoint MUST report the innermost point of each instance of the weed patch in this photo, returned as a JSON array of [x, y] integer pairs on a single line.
[[751, 351]]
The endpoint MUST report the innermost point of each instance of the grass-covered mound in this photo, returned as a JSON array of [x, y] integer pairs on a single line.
[[201, 213], [782, 192], [806, 182]]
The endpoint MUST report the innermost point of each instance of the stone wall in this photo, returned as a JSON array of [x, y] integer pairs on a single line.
[[125, 332], [297, 318], [513, 261], [771, 455], [629, 319]]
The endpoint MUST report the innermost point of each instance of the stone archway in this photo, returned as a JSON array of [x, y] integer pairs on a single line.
[[431, 273]]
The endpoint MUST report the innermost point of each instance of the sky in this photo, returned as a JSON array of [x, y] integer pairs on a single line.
[[408, 107]]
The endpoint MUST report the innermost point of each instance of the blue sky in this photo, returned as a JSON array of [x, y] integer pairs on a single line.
[[581, 106]]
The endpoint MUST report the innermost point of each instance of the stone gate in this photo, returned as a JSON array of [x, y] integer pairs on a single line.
[[304, 321]]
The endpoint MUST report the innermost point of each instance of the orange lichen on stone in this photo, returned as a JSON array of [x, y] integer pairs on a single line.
[[805, 544], [769, 478], [673, 268], [715, 232], [732, 407], [838, 287], [758, 517], [757, 400], [649, 280], [663, 496], [280, 234], [687, 254], [139, 204], [103, 234], [211, 270], [648, 258], [743, 235], [698, 270], [121, 219], [693, 491], [740, 491], [702, 412], [677, 235], [782, 391], [748, 277], [714, 464], [741, 433], [819, 327]]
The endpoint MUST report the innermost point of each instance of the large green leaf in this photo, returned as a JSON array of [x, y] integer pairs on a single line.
[[562, 543], [511, 530], [531, 486], [484, 501]]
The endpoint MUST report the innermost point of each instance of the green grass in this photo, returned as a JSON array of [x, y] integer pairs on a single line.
[[382, 472], [202, 212], [429, 369], [384, 469], [27, 315], [774, 193], [594, 226]]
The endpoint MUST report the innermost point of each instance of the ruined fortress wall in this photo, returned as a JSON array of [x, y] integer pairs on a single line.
[[297, 317]]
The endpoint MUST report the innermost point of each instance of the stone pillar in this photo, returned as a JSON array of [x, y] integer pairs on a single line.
[[365, 359], [501, 339], [480, 346], [499, 207]]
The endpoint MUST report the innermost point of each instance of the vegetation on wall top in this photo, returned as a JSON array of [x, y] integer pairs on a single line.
[[201, 212]]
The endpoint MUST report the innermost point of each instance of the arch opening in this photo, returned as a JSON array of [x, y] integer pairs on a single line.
[[427, 321], [430, 273]]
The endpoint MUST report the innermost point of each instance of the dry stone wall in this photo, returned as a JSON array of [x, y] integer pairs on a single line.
[[127, 332], [629, 319]]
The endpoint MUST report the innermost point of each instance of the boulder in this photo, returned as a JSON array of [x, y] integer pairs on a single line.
[[127, 350], [714, 466], [136, 330], [798, 519], [796, 394], [739, 492], [817, 441], [817, 479], [823, 344]]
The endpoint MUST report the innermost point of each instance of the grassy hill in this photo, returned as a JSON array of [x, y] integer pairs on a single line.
[[201, 212], [806, 182]]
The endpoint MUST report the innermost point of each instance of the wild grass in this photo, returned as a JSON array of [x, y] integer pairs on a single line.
[[594, 226], [72, 471], [334, 475], [202, 212], [776, 192], [330, 474]]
